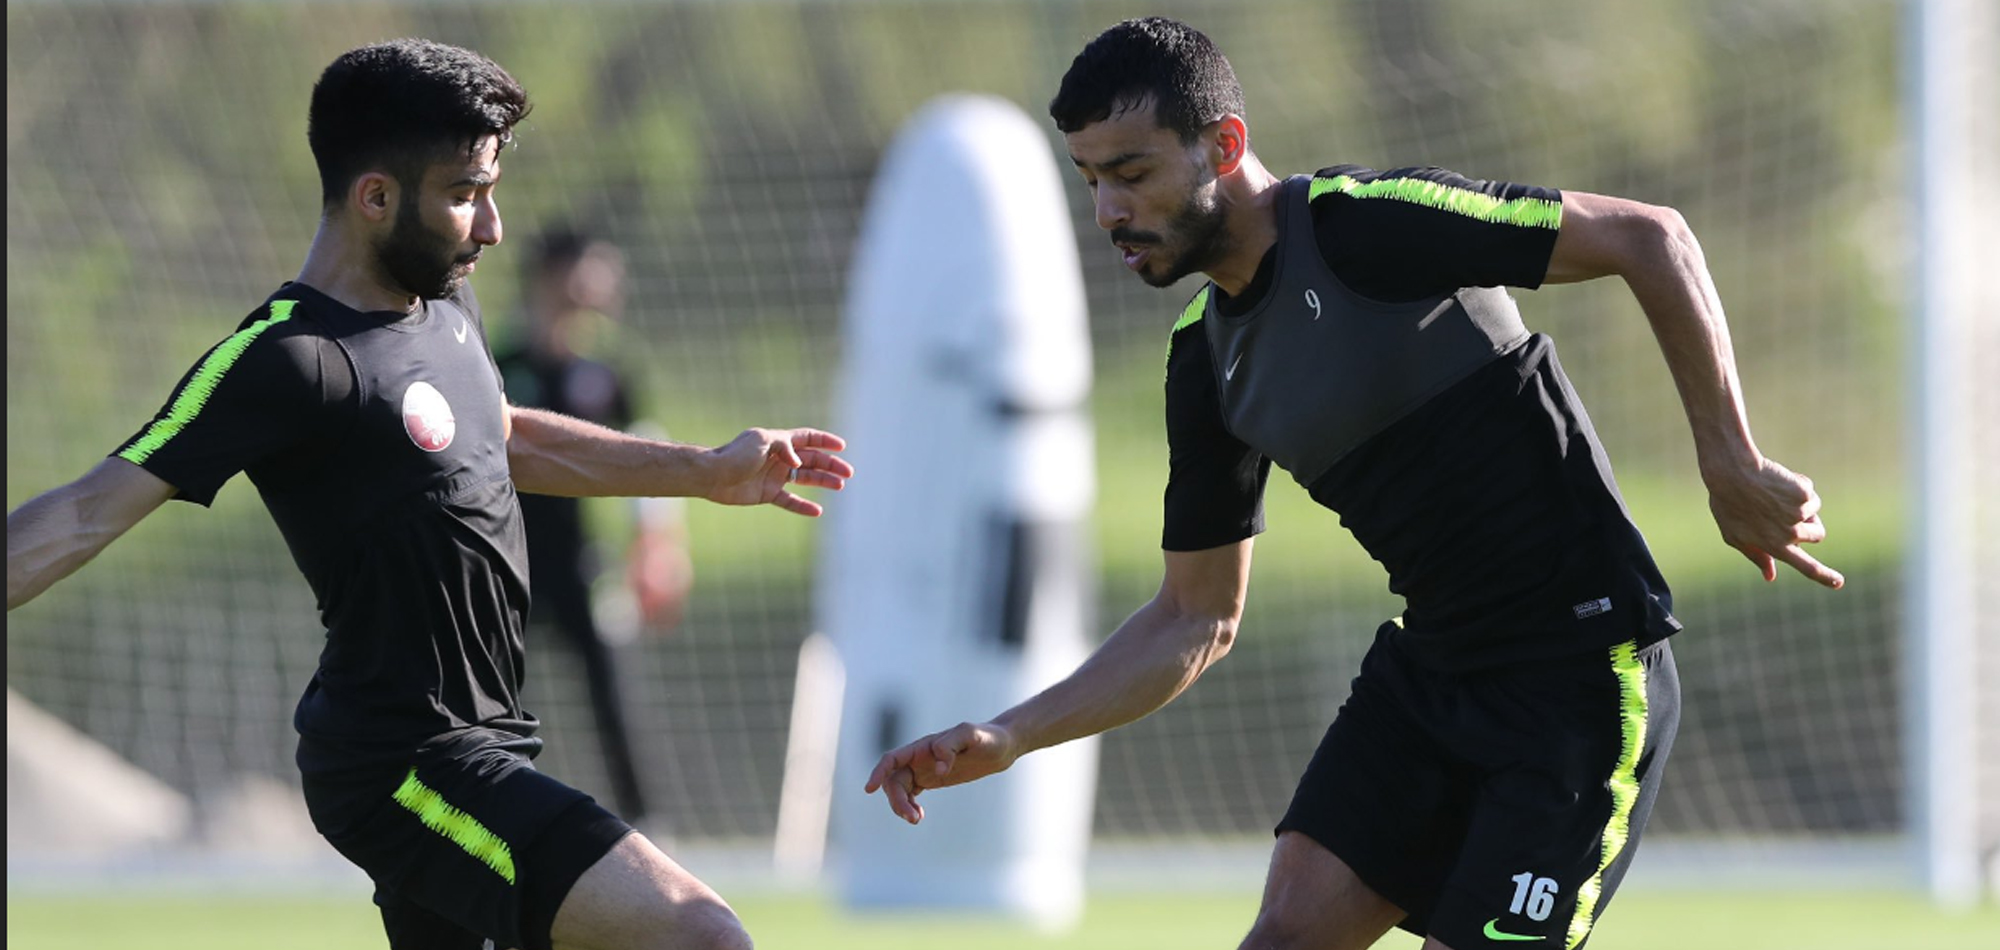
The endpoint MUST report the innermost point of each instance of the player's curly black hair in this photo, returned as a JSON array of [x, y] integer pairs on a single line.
[[403, 105], [1153, 58]]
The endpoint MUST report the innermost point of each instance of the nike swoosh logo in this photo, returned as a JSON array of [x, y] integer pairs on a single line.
[[1495, 933], [460, 332], [1230, 373]]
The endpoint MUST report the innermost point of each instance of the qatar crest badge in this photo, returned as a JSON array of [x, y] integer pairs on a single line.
[[427, 417]]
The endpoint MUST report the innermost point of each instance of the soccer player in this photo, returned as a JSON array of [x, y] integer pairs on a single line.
[[573, 283], [1486, 781], [363, 403]]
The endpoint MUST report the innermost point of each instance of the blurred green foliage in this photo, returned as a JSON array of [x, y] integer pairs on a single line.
[[158, 183]]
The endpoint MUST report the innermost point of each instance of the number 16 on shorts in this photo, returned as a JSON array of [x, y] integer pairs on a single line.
[[1533, 896]]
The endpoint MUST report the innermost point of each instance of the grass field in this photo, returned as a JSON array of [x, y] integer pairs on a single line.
[[1657, 920]]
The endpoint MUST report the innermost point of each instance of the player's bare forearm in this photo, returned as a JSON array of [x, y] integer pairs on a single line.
[[1659, 258], [1155, 655], [552, 454], [1152, 657], [1763, 509], [53, 534]]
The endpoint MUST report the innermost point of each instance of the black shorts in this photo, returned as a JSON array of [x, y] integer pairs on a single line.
[[1498, 805], [468, 844]]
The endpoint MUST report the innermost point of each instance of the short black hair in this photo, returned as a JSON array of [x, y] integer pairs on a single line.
[[559, 247], [403, 105], [1166, 60]]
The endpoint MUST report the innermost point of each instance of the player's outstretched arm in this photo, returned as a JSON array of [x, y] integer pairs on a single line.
[[1763, 509], [60, 530], [1155, 654], [552, 454]]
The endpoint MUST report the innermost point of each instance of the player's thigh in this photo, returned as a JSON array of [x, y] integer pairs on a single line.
[[473, 838], [638, 898], [1553, 829], [1314, 901], [1381, 792]]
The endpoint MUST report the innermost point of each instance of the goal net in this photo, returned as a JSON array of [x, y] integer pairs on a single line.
[[159, 185]]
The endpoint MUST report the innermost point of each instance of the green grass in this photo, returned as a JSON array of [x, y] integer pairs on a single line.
[[1640, 921]]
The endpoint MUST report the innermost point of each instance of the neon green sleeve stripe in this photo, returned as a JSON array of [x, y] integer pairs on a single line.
[[1189, 317], [1195, 308], [1624, 783], [464, 830], [1522, 212], [192, 397]]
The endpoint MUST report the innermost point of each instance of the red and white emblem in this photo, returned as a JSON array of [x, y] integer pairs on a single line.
[[427, 417]]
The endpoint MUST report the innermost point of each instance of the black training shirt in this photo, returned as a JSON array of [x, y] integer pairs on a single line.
[[377, 442], [1490, 503]]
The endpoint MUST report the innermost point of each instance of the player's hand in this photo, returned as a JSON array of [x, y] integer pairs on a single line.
[[1766, 511], [660, 574], [756, 467], [961, 754]]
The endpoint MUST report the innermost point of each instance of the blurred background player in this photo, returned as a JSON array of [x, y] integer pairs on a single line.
[[574, 284]]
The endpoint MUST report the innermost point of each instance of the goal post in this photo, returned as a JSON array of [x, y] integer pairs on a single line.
[[1952, 635]]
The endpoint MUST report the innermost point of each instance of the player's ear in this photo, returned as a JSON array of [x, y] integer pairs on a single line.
[[1228, 141], [374, 196]]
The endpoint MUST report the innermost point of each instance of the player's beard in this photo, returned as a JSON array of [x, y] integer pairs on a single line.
[[418, 260], [1199, 232]]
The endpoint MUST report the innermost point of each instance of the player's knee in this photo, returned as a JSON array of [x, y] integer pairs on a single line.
[[705, 925], [1271, 933], [724, 932], [1278, 929], [735, 939]]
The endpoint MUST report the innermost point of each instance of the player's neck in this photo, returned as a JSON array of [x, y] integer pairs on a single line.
[[1252, 192], [341, 265]]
